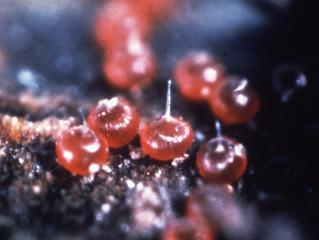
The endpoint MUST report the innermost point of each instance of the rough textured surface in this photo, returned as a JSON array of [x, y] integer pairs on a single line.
[[53, 72]]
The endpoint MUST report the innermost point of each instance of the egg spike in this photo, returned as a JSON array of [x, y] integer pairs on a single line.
[[168, 99], [218, 128]]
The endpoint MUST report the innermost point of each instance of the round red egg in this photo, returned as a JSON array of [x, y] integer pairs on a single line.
[[222, 160], [158, 10], [166, 138], [117, 21], [183, 229], [80, 151], [130, 69], [116, 119], [234, 101], [197, 75], [210, 204]]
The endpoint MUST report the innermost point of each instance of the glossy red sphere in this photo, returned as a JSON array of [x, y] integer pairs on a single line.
[[117, 21], [80, 151], [221, 211], [158, 10], [222, 160], [184, 229], [130, 69], [234, 101], [210, 204], [197, 75], [166, 138], [116, 119]]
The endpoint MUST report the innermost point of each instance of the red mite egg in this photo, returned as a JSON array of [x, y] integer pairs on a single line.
[[183, 229], [166, 138], [158, 9], [81, 151], [197, 75], [130, 70], [222, 160], [115, 119], [118, 20], [210, 204], [234, 101]]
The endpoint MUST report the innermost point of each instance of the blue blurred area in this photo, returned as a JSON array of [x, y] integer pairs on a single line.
[[54, 38]]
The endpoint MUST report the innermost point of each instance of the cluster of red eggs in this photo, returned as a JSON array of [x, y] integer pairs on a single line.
[[115, 122], [123, 29], [200, 77], [221, 160]]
